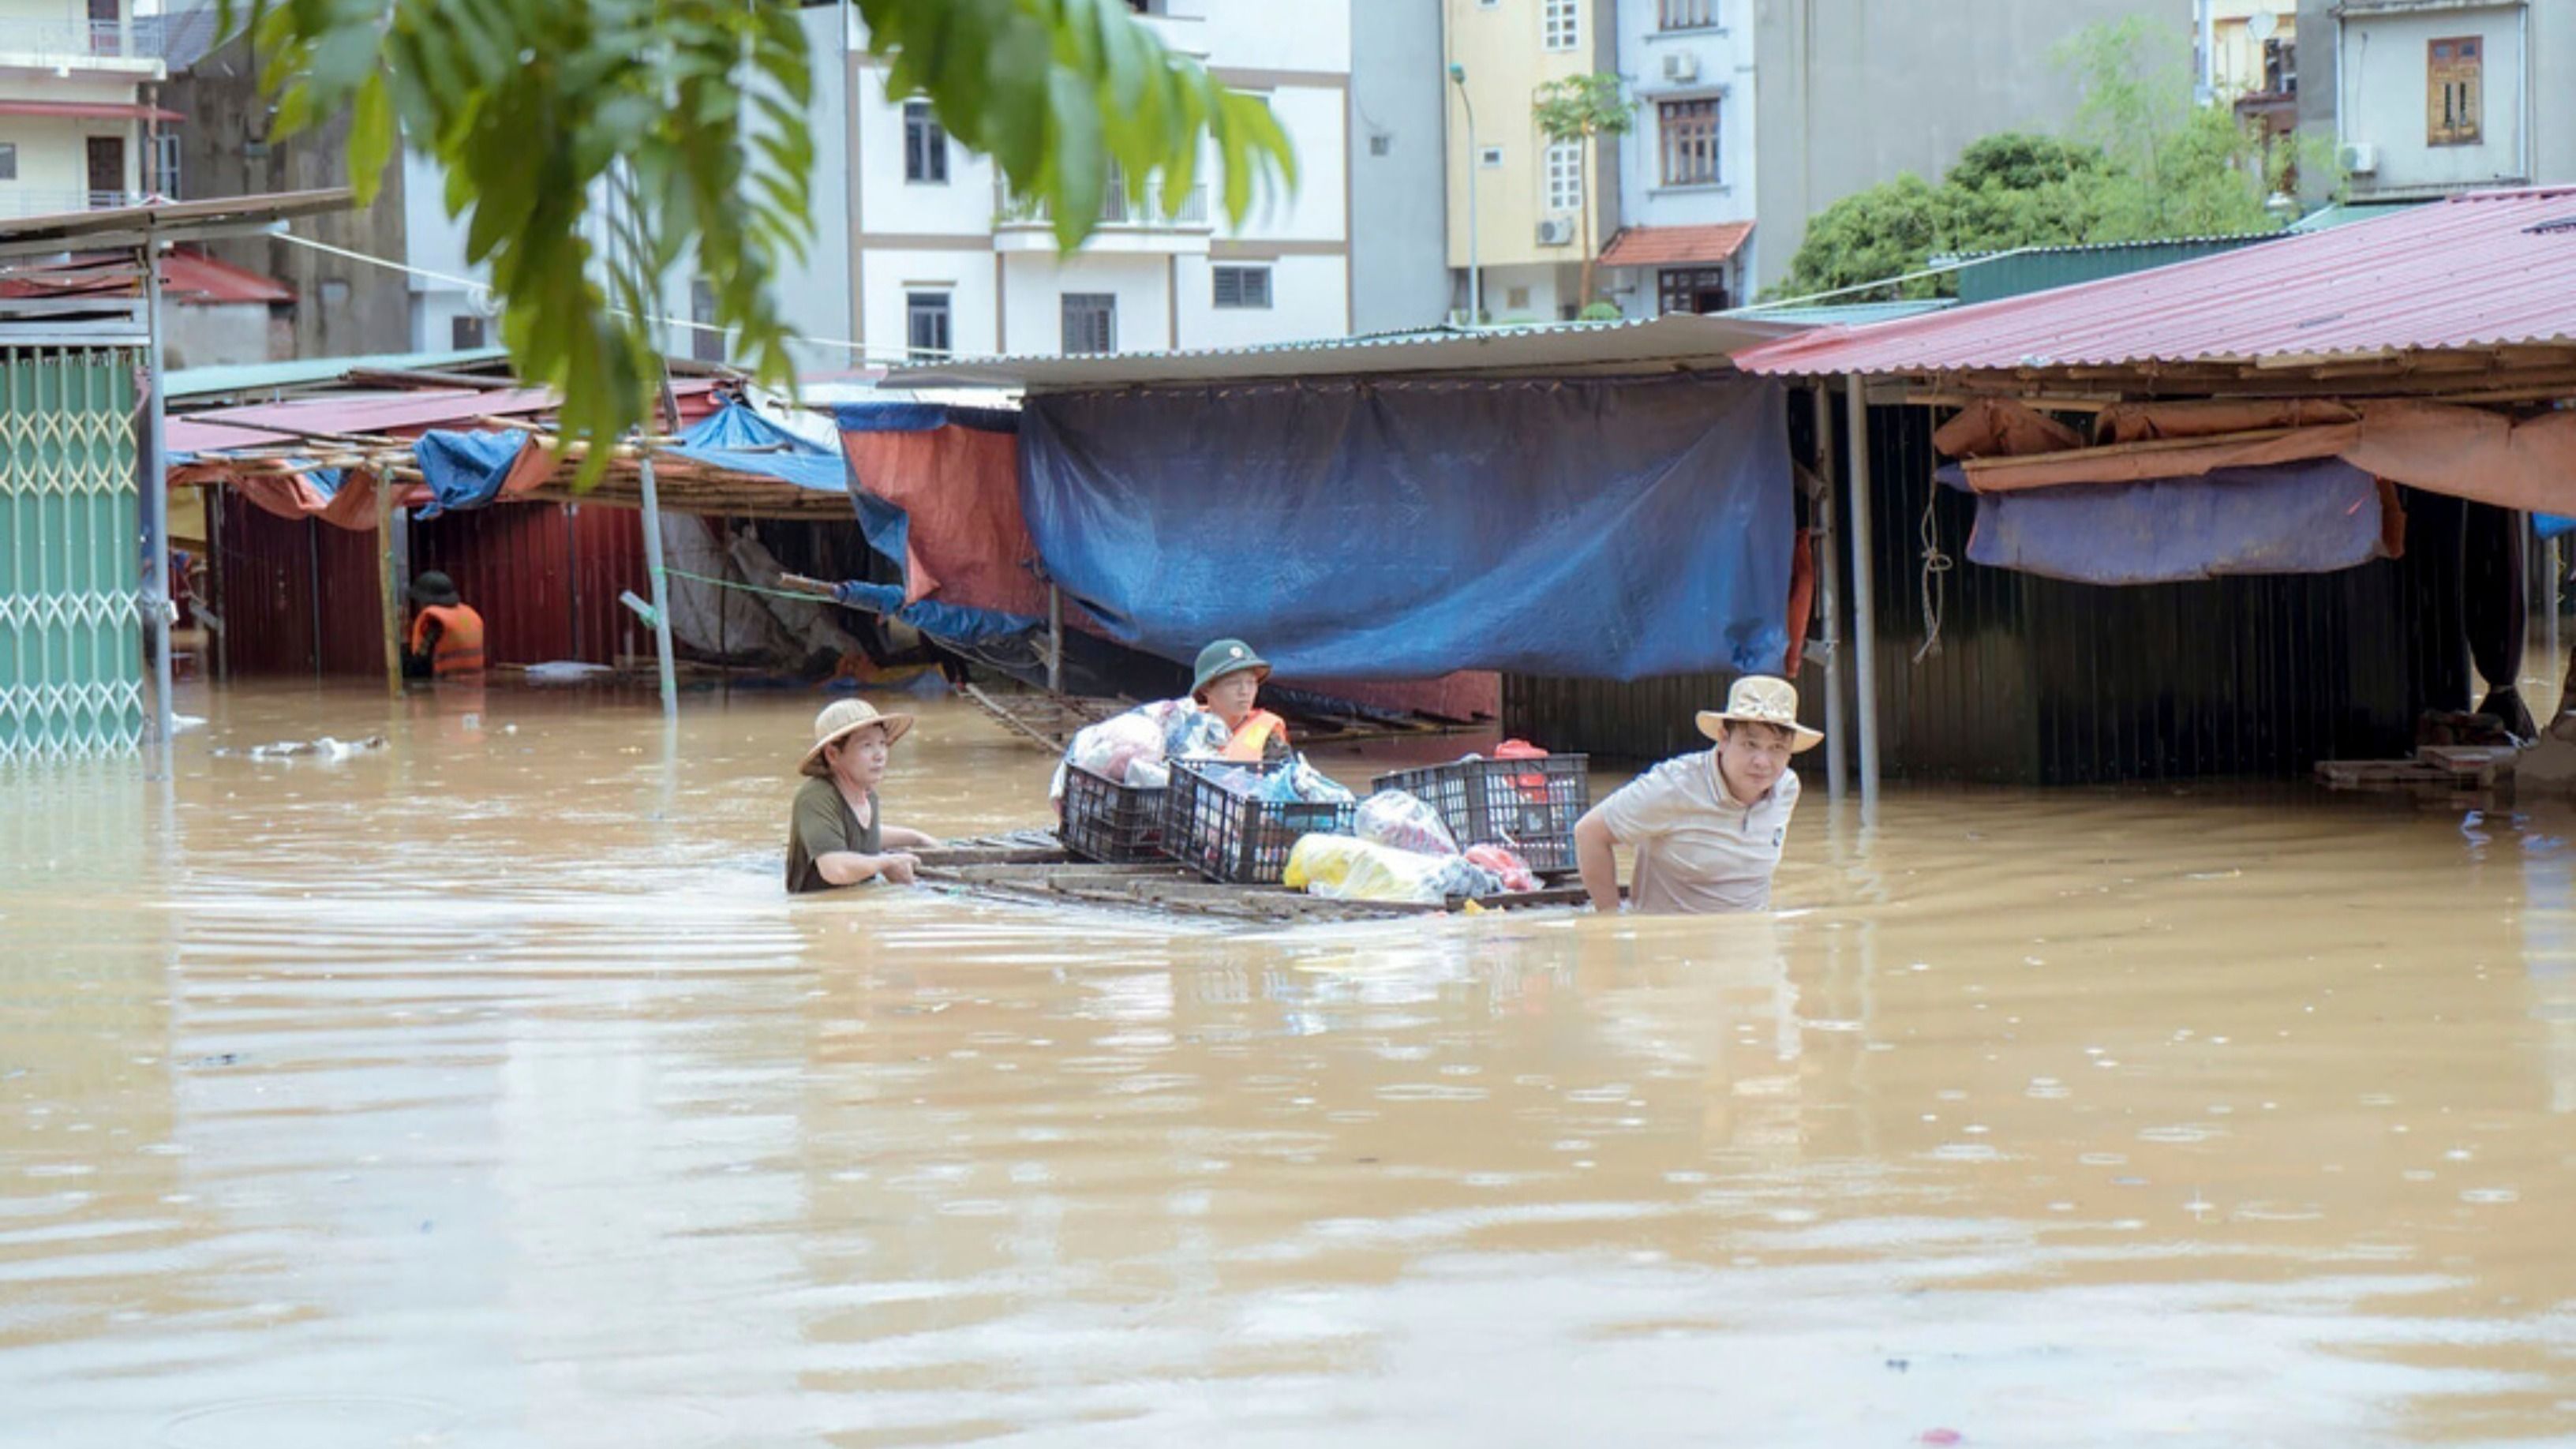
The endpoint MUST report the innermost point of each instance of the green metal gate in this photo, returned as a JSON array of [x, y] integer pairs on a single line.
[[71, 649]]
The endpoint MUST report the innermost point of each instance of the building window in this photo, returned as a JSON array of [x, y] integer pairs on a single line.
[[1689, 130], [2281, 66], [165, 166], [925, 323], [1090, 322], [706, 340], [8, 160], [1242, 286], [1381, 145], [1490, 156], [1565, 176], [2453, 99], [1558, 23], [925, 145], [1687, 14], [1691, 289], [465, 333]]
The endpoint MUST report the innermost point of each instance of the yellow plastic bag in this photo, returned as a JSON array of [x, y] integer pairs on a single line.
[[1346, 868]]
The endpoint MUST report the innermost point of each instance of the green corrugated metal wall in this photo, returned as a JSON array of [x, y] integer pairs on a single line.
[[71, 657]]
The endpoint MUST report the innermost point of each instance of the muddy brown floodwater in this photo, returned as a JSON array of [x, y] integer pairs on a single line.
[[485, 1090]]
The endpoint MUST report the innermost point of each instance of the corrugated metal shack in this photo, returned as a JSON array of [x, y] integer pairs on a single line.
[[2433, 349]]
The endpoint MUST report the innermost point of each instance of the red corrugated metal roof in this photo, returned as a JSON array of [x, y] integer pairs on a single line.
[[189, 276], [2485, 269], [196, 435], [409, 412], [1675, 246], [89, 111]]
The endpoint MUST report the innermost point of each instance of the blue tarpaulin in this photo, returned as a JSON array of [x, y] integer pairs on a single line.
[[464, 470], [2290, 518], [952, 622], [738, 437], [1609, 529], [2551, 525]]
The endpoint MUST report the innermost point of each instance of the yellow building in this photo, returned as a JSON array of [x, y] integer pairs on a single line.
[[1516, 200], [74, 130]]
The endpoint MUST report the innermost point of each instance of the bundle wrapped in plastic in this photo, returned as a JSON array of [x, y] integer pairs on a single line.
[[1507, 867], [1298, 783], [1189, 731], [1113, 748], [1149, 774], [1406, 822], [1347, 868]]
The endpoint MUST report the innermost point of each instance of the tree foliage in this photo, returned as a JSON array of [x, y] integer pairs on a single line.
[[2140, 161], [591, 145], [1583, 109]]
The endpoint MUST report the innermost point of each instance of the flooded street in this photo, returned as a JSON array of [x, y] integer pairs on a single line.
[[486, 1089]]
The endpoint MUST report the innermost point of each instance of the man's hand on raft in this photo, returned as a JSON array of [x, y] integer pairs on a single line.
[[898, 867]]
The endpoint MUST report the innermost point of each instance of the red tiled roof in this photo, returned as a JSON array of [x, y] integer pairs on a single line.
[[2485, 269], [1675, 246]]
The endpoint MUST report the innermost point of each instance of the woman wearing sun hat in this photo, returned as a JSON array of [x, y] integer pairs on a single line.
[[836, 835], [1228, 685], [1707, 827]]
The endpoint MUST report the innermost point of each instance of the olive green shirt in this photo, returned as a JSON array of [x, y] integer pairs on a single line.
[[823, 822]]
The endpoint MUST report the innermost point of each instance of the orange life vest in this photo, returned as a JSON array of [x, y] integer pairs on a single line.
[[459, 649], [1251, 739]]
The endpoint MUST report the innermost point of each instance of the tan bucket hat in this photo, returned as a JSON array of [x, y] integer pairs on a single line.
[[843, 717], [1761, 699]]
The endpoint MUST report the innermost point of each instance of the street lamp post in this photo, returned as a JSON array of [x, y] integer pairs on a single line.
[[1475, 281]]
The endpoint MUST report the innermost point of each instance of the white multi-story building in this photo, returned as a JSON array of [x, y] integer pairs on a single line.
[[921, 249], [74, 131], [1686, 168]]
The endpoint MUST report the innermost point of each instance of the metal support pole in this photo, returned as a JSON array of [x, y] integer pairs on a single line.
[[661, 603], [156, 513], [1055, 639], [1475, 272], [1864, 609], [1837, 774]]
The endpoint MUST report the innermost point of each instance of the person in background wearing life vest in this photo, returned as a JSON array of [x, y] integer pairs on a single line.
[[1229, 687], [446, 636]]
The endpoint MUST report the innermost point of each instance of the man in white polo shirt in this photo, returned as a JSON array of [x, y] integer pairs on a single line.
[[1707, 827]]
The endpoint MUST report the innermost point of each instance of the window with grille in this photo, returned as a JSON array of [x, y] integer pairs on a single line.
[[1691, 289], [1241, 286], [1090, 322], [1565, 176], [1686, 14], [2453, 82], [925, 144], [8, 160], [706, 340], [925, 323], [1689, 133], [465, 333], [1560, 23]]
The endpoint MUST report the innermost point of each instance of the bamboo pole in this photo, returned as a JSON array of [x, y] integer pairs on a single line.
[[388, 599], [661, 594]]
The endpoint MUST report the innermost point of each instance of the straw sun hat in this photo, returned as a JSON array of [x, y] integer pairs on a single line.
[[842, 718], [1761, 699]]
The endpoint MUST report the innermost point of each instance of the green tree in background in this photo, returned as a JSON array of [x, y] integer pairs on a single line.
[[1583, 109], [677, 128], [2141, 162]]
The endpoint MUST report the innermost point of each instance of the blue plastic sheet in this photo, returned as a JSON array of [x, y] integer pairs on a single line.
[[1612, 529], [2291, 518], [920, 417], [940, 621], [464, 470], [2550, 525], [739, 438]]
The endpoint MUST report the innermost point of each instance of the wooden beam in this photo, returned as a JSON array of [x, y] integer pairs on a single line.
[[389, 602]]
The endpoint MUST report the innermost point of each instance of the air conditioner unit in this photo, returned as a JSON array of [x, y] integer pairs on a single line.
[[1681, 66], [1556, 231], [2360, 158]]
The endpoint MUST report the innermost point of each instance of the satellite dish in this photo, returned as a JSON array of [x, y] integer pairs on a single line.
[[2261, 24]]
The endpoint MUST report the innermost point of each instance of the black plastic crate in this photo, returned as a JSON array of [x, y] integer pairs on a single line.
[[1109, 822], [1529, 806], [1231, 838]]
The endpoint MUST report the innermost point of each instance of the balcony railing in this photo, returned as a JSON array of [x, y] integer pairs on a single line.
[[1012, 209], [179, 37], [16, 202]]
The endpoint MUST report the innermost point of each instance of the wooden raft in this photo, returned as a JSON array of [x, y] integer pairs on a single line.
[[2455, 767], [1033, 866]]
